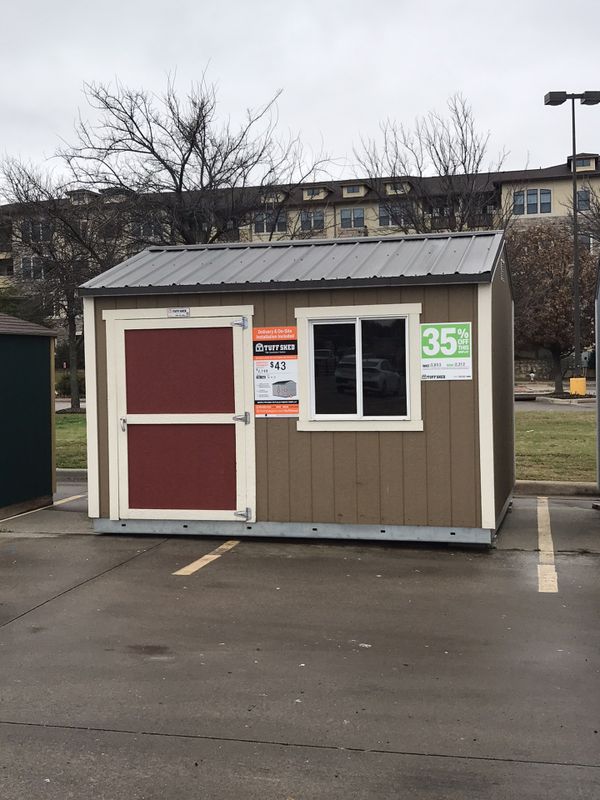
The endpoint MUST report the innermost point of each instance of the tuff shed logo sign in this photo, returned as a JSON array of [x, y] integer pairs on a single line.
[[275, 371]]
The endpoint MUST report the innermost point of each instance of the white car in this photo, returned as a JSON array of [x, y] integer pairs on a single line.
[[378, 375]]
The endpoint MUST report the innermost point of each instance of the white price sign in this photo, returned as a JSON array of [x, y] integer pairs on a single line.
[[446, 351]]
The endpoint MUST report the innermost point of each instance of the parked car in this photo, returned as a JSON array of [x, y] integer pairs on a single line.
[[324, 362], [378, 375]]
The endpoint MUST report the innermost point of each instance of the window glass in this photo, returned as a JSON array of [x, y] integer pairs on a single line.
[[583, 200], [334, 368], [346, 218], [305, 220], [384, 216], [545, 201], [384, 367], [582, 162], [352, 189], [259, 223], [519, 203], [532, 201], [359, 217], [318, 219]]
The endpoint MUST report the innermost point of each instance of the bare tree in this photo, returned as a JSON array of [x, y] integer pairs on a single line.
[[541, 259], [196, 178], [435, 175], [60, 239]]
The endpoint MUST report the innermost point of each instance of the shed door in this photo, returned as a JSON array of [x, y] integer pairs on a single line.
[[182, 454]]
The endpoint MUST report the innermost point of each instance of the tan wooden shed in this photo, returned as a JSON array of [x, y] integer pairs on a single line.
[[355, 388]]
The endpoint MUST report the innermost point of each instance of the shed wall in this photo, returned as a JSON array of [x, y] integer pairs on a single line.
[[26, 420], [411, 478], [503, 388]]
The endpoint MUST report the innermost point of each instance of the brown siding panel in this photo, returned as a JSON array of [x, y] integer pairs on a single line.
[[391, 478]]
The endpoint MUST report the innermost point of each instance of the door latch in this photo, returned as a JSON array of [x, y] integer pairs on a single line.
[[123, 421], [245, 514], [245, 418]]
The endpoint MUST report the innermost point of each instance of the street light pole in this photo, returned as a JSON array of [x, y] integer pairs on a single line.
[[587, 99]]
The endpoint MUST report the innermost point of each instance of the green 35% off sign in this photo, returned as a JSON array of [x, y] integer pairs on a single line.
[[446, 351]]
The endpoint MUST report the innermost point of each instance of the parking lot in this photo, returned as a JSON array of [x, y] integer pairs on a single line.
[[299, 669]]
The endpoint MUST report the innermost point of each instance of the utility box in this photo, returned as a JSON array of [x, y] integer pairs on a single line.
[[358, 389], [27, 466]]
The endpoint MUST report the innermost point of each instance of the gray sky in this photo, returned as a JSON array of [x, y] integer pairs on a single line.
[[344, 65]]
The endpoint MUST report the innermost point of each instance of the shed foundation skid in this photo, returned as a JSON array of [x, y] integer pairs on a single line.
[[299, 530]]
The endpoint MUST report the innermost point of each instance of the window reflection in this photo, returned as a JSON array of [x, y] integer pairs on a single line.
[[383, 389]]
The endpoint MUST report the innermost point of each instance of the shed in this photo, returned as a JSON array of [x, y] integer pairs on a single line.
[[27, 467], [400, 350]]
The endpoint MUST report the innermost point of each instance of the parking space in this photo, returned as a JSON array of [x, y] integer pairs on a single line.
[[299, 669]]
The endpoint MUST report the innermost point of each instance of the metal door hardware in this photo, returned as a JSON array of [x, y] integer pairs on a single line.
[[246, 514], [245, 418], [242, 322], [123, 423]]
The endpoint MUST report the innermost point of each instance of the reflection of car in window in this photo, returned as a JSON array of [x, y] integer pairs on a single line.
[[324, 362], [378, 376]]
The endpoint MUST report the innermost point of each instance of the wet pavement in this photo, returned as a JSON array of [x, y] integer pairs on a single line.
[[299, 669]]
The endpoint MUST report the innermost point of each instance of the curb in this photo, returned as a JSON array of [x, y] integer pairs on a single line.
[[71, 475], [556, 489]]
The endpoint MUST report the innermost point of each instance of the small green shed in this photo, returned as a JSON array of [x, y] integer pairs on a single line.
[[27, 466]]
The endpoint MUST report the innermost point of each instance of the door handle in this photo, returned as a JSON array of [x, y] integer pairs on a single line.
[[123, 423]]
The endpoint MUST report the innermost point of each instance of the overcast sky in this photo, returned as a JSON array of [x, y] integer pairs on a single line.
[[343, 66]]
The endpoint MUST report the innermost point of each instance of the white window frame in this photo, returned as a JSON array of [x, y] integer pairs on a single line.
[[308, 419]]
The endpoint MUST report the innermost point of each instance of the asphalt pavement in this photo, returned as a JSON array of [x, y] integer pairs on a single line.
[[293, 670]]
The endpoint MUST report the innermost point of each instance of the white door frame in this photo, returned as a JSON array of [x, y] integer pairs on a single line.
[[240, 319]]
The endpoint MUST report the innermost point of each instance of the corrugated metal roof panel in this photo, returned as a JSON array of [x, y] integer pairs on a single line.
[[443, 258]]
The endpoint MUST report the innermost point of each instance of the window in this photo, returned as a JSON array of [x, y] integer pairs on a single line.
[[352, 218], [314, 192], [352, 189], [583, 200], [545, 201], [395, 215], [147, 231], [532, 201], [583, 162], [32, 268], [312, 220], [270, 221], [6, 266], [370, 379], [36, 231], [519, 202]]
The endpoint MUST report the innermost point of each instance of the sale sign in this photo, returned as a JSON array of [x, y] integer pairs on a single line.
[[275, 351], [446, 351]]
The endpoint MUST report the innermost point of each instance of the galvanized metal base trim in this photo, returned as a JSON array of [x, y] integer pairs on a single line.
[[297, 530]]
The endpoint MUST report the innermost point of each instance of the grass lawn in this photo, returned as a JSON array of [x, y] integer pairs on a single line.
[[70, 441], [556, 445]]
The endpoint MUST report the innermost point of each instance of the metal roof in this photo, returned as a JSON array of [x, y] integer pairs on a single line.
[[301, 264], [20, 327]]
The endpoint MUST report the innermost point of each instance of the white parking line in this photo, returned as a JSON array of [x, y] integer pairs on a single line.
[[547, 578], [207, 559]]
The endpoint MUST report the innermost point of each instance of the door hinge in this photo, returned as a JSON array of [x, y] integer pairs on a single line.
[[245, 514], [245, 418], [123, 421], [242, 322]]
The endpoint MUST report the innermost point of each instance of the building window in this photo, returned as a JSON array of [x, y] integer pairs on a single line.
[[583, 200], [372, 379], [545, 201], [312, 220], [582, 162], [314, 192], [35, 231], [147, 231], [352, 218], [394, 215], [270, 222], [532, 201], [519, 202], [352, 189], [6, 266], [32, 268]]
